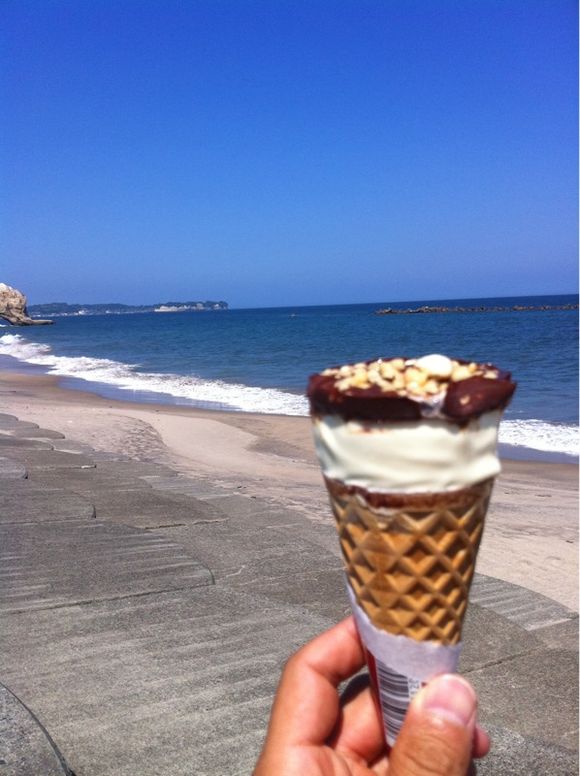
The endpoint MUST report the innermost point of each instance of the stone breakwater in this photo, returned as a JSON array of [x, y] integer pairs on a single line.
[[478, 309]]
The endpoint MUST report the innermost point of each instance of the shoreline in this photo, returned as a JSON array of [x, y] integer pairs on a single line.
[[143, 398], [531, 536]]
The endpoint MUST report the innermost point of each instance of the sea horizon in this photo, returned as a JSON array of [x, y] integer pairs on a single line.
[[573, 295], [420, 301]]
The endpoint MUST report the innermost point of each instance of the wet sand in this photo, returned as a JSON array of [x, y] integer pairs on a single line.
[[531, 537]]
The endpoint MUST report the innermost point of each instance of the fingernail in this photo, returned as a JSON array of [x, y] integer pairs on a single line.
[[451, 697]]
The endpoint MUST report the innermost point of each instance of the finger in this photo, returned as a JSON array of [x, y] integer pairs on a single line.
[[437, 736], [335, 655], [307, 705], [359, 733], [481, 742]]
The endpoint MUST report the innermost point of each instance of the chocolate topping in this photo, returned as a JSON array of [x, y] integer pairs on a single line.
[[477, 395], [410, 389]]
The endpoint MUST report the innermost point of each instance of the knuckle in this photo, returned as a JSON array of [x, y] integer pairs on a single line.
[[294, 662]]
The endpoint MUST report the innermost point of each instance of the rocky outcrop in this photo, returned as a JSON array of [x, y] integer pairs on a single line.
[[13, 308]]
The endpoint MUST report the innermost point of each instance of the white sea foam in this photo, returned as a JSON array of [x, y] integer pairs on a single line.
[[541, 435], [125, 377], [534, 434]]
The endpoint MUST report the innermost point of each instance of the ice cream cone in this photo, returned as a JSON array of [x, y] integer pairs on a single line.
[[408, 450], [410, 558]]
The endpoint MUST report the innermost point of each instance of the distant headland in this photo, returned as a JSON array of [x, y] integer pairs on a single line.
[[62, 309], [14, 308]]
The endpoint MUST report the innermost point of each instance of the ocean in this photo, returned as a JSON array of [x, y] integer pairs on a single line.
[[259, 360]]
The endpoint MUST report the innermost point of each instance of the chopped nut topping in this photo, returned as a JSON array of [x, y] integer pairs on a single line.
[[388, 371], [432, 387], [414, 376], [426, 377], [429, 387], [460, 372]]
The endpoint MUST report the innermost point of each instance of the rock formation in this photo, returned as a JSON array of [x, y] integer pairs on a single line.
[[13, 308]]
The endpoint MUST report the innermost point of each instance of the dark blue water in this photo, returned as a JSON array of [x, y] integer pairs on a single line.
[[259, 360]]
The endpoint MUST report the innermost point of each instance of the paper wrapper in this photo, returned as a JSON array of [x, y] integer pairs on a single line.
[[409, 560]]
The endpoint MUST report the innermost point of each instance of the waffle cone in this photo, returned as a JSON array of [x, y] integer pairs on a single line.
[[410, 558]]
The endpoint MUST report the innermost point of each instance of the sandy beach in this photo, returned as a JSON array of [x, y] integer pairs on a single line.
[[531, 537]]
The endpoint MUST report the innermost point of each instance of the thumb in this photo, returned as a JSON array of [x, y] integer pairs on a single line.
[[437, 736]]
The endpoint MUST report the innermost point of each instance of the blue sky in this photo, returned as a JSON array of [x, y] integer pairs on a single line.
[[288, 151]]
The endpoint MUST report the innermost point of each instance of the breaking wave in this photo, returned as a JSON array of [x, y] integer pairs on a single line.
[[125, 377], [541, 435], [533, 434]]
